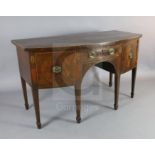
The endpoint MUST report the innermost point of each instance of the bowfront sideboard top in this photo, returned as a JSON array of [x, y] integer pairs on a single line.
[[60, 61], [76, 40]]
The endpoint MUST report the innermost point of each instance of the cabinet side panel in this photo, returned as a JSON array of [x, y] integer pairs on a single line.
[[24, 65]]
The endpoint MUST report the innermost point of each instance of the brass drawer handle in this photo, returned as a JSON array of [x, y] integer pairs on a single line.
[[92, 55], [131, 55], [111, 51], [57, 69]]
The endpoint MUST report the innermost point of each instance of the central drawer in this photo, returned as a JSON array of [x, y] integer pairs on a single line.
[[100, 53], [55, 69]]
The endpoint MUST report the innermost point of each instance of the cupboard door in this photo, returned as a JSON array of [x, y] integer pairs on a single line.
[[129, 55], [56, 69]]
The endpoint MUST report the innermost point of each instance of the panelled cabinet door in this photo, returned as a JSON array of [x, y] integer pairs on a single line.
[[55, 69], [129, 55]]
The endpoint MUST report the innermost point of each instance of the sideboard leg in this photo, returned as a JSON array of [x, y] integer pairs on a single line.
[[78, 102], [35, 94], [110, 79], [117, 86], [25, 93], [133, 82]]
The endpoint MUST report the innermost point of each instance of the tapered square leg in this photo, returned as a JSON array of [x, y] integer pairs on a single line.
[[35, 94], [25, 93], [117, 86], [78, 102], [110, 79], [134, 71]]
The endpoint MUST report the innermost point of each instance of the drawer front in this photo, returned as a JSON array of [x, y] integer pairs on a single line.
[[102, 53], [55, 69], [129, 55]]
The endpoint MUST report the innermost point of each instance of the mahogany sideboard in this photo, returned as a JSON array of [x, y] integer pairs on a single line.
[[61, 61]]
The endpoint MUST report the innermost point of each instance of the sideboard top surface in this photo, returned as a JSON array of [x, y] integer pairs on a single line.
[[80, 39]]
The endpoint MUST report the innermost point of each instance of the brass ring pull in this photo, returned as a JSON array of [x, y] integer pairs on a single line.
[[57, 69], [111, 51], [131, 55], [92, 55]]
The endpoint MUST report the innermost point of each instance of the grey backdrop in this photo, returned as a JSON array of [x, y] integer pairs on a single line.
[[99, 120]]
